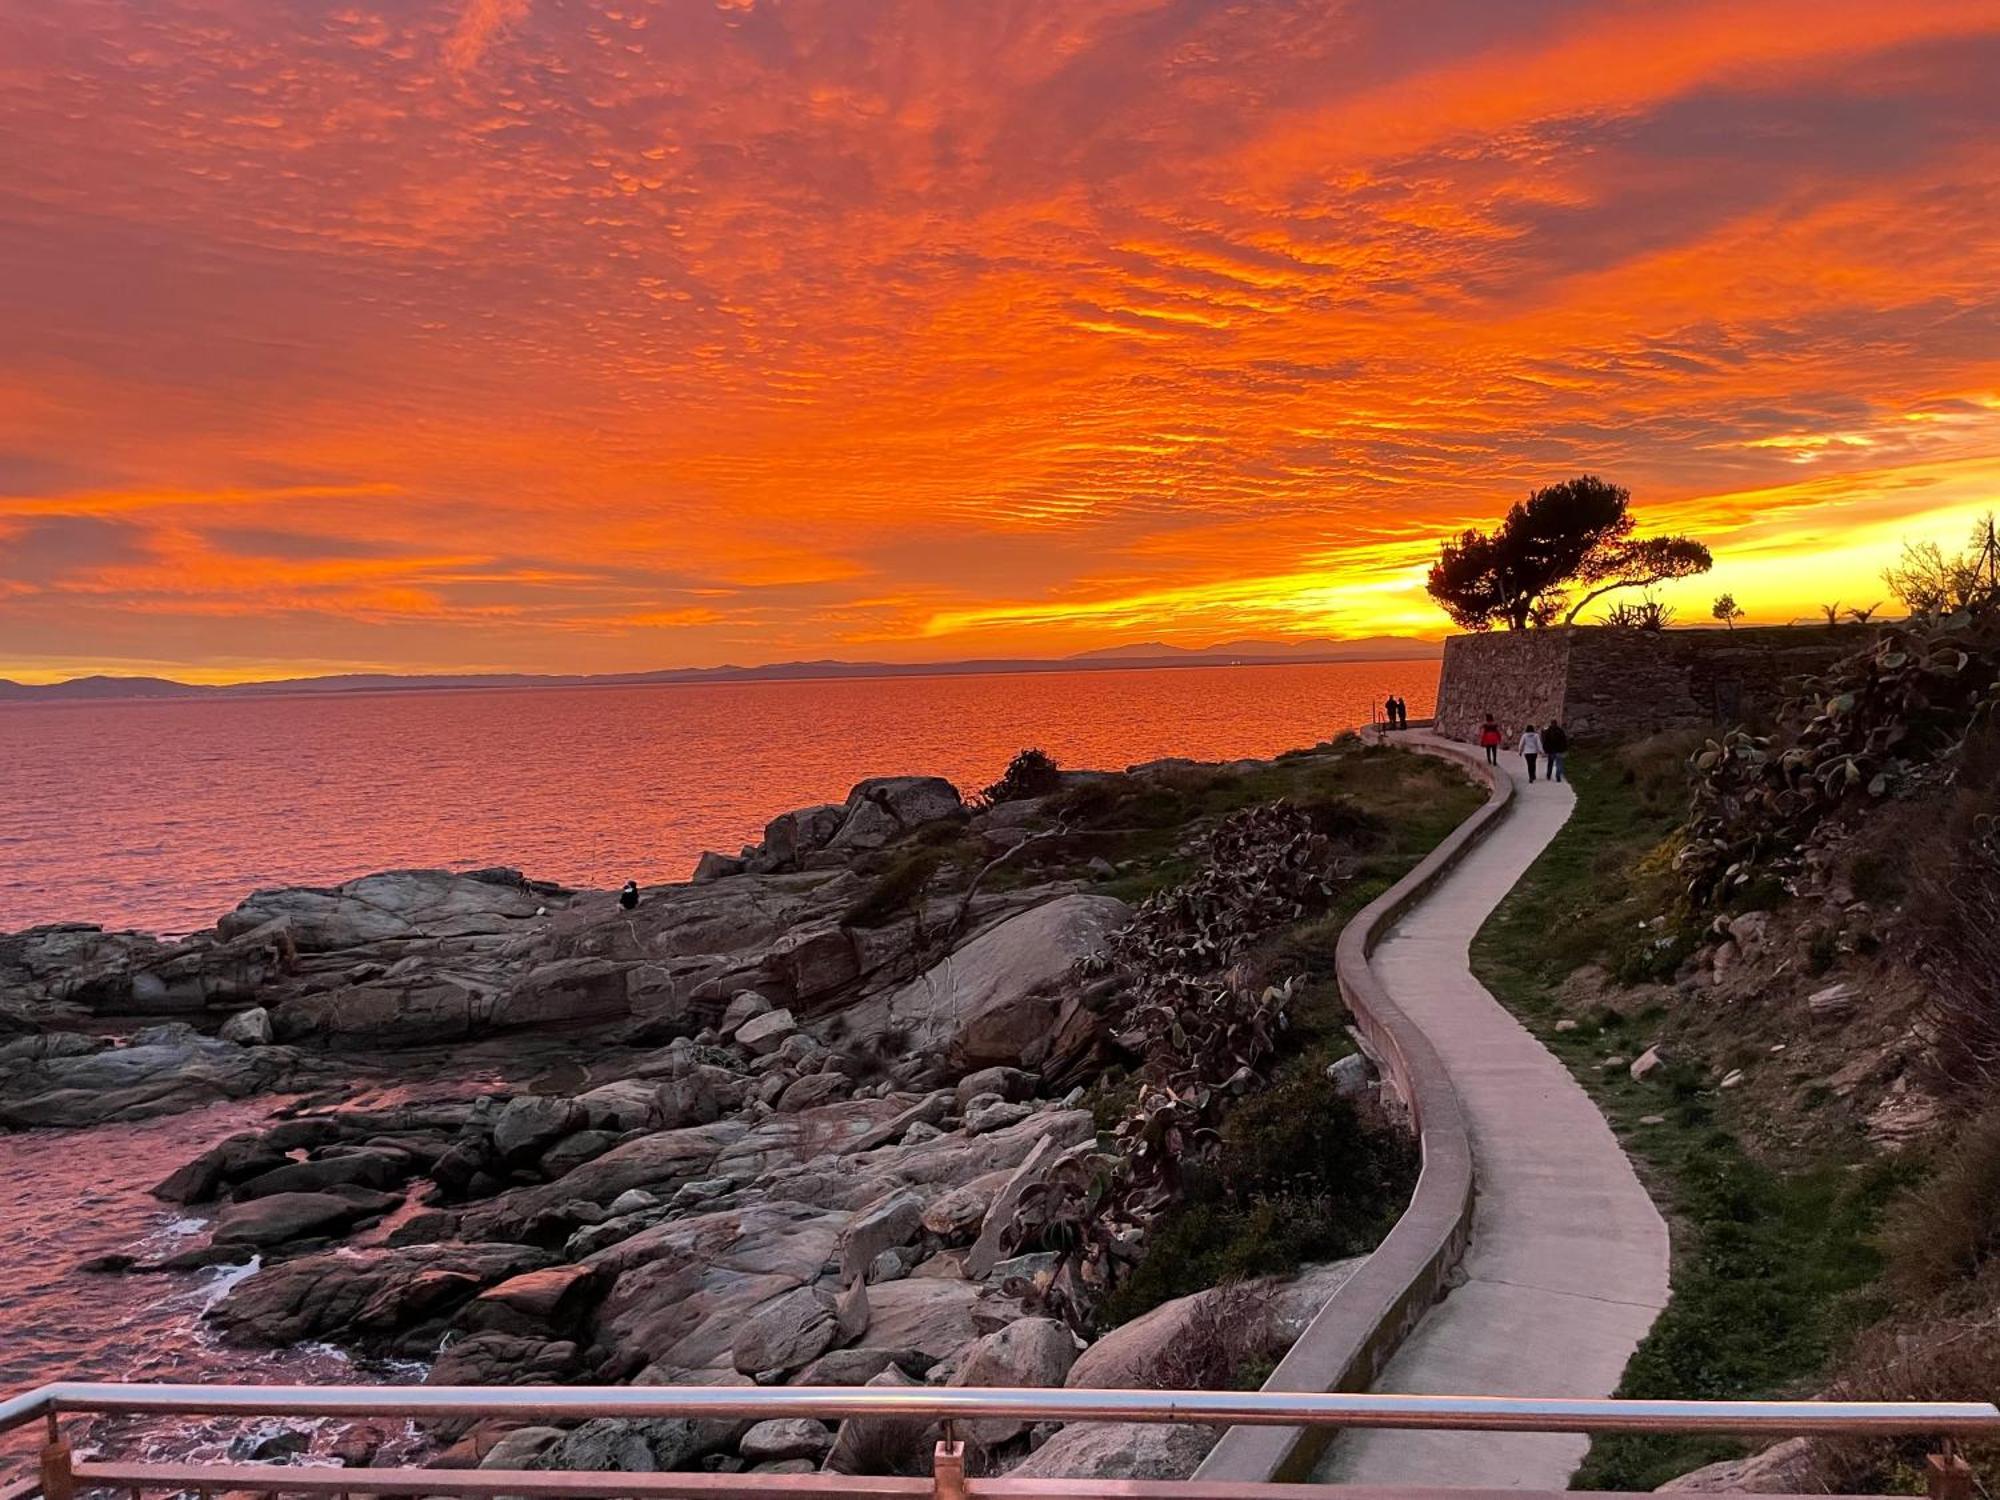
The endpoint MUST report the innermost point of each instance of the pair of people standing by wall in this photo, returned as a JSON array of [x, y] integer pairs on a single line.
[[1395, 714], [1533, 745]]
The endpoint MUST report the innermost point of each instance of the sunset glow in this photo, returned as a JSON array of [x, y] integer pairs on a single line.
[[597, 335]]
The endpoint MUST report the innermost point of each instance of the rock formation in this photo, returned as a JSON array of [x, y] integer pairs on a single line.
[[807, 1094]]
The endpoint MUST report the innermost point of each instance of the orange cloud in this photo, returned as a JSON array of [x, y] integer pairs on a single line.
[[604, 336]]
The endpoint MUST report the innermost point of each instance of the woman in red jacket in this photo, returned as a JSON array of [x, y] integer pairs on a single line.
[[1489, 736]]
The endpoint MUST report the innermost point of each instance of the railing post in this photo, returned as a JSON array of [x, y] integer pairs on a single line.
[[58, 1478], [1947, 1474], [947, 1471]]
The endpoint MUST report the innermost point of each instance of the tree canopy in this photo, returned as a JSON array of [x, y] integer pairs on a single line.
[[1576, 533], [1930, 582]]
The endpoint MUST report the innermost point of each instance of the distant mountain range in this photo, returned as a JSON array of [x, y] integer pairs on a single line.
[[1145, 654]]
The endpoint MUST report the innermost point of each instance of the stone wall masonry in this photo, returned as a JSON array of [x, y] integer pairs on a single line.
[[1518, 676], [1642, 681], [1598, 680]]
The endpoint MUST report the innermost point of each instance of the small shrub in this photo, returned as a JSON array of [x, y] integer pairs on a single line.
[[1763, 893], [1946, 1231], [1652, 958], [1941, 1353], [1229, 1329], [1031, 773], [1298, 1178], [1089, 803], [1876, 876], [1345, 821]]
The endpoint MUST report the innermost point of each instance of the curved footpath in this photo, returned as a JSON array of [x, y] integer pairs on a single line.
[[1567, 1263]]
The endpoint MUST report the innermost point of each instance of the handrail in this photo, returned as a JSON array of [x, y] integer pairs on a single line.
[[941, 1404]]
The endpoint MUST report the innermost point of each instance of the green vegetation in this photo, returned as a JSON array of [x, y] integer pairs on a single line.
[[1576, 533], [1774, 1265], [1031, 773], [1300, 1176], [1393, 803]]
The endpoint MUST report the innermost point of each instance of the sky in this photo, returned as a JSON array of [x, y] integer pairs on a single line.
[[595, 335]]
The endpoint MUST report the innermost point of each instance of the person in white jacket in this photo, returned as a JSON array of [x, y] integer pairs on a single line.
[[1531, 747]]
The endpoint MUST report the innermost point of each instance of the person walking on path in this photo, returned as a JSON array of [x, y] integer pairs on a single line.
[[1489, 740], [1555, 744], [1531, 747]]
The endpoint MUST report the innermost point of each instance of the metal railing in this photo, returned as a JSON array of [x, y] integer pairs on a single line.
[[62, 1476]]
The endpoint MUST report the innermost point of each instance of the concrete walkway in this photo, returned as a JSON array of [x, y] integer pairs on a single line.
[[1568, 1261]]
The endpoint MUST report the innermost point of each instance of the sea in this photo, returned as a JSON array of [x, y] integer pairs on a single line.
[[163, 815]]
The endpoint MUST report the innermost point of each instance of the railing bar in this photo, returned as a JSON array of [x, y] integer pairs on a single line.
[[271, 1480], [1269, 1408]]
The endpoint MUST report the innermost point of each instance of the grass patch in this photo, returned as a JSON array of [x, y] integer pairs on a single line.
[[1773, 1268], [1391, 804]]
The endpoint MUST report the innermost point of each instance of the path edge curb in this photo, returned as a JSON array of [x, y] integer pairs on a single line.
[[1352, 1336]]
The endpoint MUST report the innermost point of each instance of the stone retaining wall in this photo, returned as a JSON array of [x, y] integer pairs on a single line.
[[1598, 680]]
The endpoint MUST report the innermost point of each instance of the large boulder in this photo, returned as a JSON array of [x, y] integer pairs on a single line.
[[765, 1034], [629, 1104], [930, 1315], [568, 989], [396, 905], [795, 1329], [363, 1169], [883, 808], [264, 1222], [994, 1000], [520, 1448], [1027, 1352], [495, 1358], [412, 1009], [791, 836], [1219, 1329], [166, 1069], [554, 1299], [235, 1158], [1118, 1450], [369, 1294], [528, 1125], [888, 1222], [783, 1438], [201, 973], [248, 1028], [1781, 1469], [882, 1445], [955, 1216], [633, 1446]]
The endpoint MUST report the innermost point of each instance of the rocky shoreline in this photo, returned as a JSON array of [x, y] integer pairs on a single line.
[[797, 1121]]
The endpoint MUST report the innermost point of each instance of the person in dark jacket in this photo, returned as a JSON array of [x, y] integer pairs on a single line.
[[1555, 745]]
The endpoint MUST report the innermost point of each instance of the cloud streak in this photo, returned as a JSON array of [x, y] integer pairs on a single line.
[[480, 23]]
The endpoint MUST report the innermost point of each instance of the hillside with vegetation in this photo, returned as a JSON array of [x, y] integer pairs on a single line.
[[1773, 957]]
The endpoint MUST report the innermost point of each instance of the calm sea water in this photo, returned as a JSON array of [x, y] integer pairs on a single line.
[[165, 815]]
